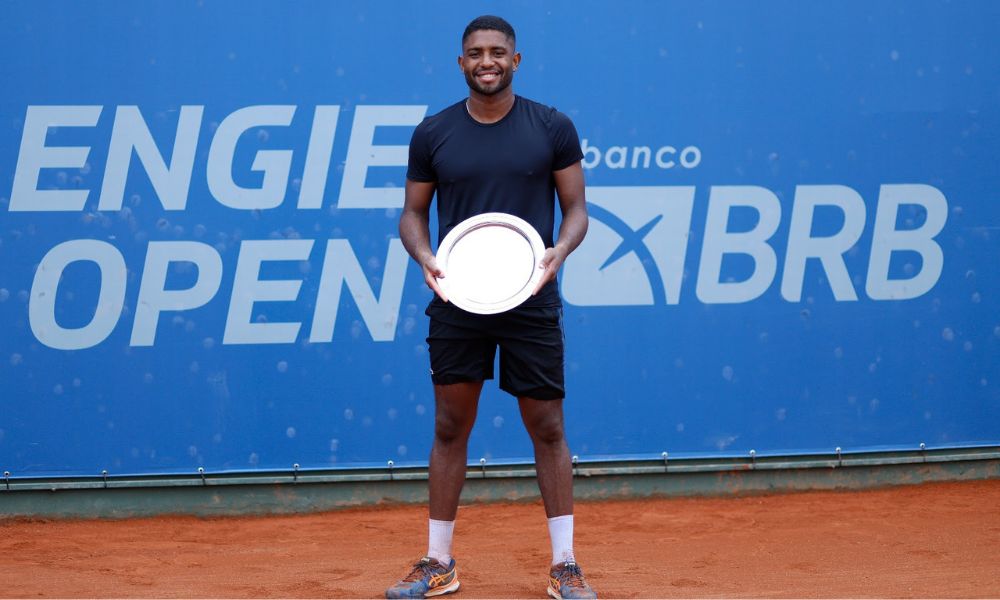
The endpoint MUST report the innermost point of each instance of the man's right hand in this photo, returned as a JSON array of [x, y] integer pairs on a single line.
[[431, 275]]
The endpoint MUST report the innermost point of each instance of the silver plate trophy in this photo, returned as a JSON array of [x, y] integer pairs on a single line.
[[490, 262]]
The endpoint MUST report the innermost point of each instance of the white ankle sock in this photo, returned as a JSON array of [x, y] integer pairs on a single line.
[[439, 540], [561, 535]]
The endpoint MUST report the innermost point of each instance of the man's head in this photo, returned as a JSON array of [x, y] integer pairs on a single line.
[[488, 58]]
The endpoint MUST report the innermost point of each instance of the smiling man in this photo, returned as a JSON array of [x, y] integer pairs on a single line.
[[495, 152]]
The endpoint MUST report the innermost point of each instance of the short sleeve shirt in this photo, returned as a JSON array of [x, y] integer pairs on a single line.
[[505, 167]]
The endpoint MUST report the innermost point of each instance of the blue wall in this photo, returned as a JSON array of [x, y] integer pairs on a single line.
[[799, 199]]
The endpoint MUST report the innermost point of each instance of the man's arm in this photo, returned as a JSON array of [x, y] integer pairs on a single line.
[[573, 204], [414, 231]]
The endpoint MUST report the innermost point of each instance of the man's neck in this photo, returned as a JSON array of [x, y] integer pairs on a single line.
[[490, 109]]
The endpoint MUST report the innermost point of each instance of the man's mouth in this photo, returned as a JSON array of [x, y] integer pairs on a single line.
[[488, 76]]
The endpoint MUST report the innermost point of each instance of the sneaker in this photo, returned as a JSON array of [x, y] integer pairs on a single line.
[[427, 578], [566, 581]]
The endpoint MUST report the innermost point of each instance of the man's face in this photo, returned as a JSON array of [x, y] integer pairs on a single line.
[[488, 61]]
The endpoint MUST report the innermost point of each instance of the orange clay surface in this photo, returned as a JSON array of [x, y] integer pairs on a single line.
[[933, 540]]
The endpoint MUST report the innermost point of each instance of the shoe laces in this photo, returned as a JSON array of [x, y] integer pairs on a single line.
[[421, 569], [569, 573]]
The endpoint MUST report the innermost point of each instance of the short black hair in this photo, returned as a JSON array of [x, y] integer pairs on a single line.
[[489, 23]]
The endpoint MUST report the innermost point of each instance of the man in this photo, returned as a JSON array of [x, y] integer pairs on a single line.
[[495, 152]]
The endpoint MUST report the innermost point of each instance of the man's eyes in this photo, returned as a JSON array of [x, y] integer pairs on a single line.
[[497, 54]]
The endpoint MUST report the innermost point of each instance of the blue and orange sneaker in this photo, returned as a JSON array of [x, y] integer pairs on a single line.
[[566, 581], [427, 578]]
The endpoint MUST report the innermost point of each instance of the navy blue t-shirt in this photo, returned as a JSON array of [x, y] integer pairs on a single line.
[[496, 167]]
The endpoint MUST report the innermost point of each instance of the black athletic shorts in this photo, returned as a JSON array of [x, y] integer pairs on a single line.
[[463, 347]]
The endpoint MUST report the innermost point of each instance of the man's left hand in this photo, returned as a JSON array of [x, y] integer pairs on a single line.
[[551, 261]]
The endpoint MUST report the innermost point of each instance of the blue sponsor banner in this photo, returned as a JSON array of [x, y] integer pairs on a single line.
[[793, 238]]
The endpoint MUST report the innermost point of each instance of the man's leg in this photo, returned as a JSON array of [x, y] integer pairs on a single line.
[[544, 421], [454, 416]]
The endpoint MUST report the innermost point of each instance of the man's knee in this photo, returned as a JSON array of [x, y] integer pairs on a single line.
[[455, 409], [451, 426], [545, 426]]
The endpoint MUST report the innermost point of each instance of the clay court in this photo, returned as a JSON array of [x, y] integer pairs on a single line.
[[933, 540]]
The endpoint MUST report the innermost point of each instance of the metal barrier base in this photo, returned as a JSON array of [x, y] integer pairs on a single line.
[[297, 491]]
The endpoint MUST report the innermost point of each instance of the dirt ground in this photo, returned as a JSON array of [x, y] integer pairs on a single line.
[[934, 540]]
